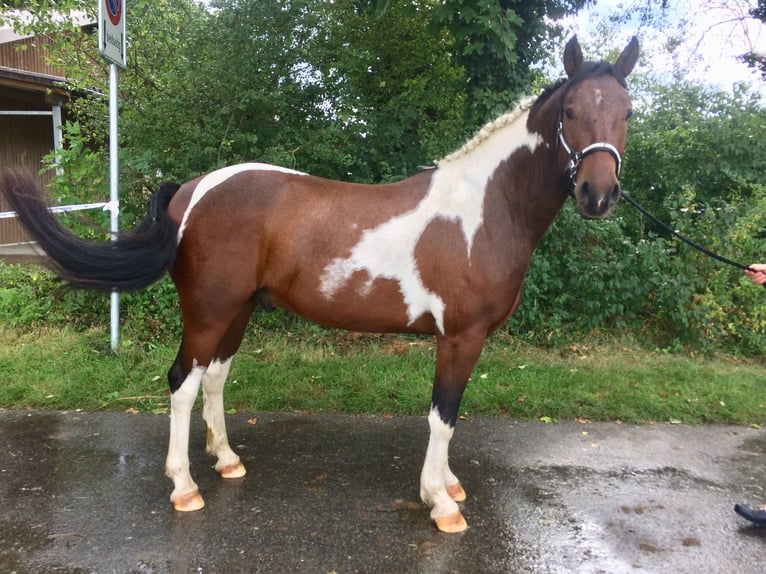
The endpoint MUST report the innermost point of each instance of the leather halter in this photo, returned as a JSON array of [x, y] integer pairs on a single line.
[[576, 157]]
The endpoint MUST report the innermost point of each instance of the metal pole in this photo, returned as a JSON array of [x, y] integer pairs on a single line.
[[56, 114], [114, 193]]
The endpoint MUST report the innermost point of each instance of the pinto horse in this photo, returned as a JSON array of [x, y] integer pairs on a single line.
[[443, 252]]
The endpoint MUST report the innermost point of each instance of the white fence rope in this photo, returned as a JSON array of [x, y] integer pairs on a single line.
[[110, 206]]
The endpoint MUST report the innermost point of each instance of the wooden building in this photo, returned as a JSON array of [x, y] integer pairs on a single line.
[[32, 101]]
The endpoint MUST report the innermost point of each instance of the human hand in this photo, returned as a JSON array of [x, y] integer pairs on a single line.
[[757, 273]]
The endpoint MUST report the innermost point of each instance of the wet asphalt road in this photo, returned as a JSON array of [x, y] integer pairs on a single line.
[[85, 492]]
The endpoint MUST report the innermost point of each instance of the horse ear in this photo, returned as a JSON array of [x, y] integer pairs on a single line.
[[628, 58], [572, 57]]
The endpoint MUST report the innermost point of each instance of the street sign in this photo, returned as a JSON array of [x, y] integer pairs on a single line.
[[111, 31]]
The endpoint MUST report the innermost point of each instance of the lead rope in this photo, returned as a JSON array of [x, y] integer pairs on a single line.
[[675, 233], [575, 158]]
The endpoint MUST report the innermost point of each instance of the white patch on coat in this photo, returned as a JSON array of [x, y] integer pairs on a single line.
[[599, 97], [217, 177], [456, 194]]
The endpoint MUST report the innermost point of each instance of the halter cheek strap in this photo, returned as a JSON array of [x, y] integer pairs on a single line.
[[576, 157]]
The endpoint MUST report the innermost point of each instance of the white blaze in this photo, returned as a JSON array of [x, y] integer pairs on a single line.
[[456, 194]]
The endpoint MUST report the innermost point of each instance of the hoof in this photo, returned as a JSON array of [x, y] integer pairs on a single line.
[[189, 502], [456, 492], [451, 523], [236, 470]]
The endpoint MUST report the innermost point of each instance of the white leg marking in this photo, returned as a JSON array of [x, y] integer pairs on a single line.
[[217, 442], [436, 475], [177, 462], [217, 177]]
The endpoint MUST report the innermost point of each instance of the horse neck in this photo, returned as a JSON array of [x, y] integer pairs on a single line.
[[516, 167], [547, 189]]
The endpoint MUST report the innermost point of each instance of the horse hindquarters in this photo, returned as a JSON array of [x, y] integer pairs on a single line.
[[456, 357]]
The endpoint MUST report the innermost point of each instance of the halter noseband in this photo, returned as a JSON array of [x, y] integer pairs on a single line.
[[576, 157]]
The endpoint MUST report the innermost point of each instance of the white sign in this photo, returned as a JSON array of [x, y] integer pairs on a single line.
[[111, 31]]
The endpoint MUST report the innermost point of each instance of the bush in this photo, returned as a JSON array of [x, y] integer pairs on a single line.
[[591, 276], [33, 297]]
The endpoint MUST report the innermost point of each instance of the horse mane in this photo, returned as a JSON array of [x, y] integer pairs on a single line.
[[599, 69], [548, 92], [490, 128]]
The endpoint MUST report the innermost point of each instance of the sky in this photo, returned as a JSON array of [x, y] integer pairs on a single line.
[[716, 31]]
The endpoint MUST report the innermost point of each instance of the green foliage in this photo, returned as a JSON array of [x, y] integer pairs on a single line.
[[496, 43], [34, 298], [686, 139], [76, 163], [153, 313], [588, 277], [396, 91]]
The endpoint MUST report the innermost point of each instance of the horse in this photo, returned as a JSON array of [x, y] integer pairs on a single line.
[[443, 252]]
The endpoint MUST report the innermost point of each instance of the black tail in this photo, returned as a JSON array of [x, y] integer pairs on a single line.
[[135, 260]]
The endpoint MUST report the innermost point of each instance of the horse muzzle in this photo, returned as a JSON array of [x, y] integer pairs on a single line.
[[595, 187], [595, 200]]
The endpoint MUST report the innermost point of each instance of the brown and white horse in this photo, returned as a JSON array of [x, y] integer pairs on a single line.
[[443, 252]]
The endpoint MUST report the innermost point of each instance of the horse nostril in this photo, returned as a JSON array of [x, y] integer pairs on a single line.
[[616, 192]]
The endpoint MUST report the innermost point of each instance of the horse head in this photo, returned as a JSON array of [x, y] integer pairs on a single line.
[[593, 126]]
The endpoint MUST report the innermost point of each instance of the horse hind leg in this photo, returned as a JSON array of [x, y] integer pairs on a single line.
[[185, 381], [228, 462]]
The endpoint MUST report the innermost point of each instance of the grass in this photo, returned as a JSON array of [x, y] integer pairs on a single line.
[[318, 370]]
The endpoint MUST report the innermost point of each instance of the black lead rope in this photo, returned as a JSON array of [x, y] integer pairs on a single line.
[[675, 233]]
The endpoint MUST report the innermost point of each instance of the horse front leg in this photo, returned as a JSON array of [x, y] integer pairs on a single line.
[[228, 464], [185, 496], [439, 487]]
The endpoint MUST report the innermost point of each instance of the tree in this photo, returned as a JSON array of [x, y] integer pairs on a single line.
[[395, 87], [697, 142], [497, 43], [694, 160], [755, 59], [334, 88]]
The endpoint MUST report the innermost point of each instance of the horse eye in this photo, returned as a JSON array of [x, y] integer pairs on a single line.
[[569, 113], [629, 115]]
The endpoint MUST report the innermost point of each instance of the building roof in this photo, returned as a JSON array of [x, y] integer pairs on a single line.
[[8, 34]]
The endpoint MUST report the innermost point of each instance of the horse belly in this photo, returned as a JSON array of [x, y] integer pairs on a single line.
[[360, 305]]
